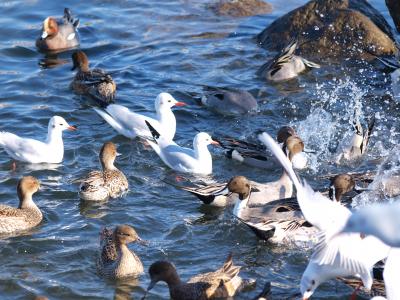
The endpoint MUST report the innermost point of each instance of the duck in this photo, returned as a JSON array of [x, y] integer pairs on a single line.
[[229, 100], [286, 65], [33, 151], [216, 194], [95, 83], [222, 283], [108, 183], [195, 161], [356, 147], [131, 124], [27, 215], [265, 293], [115, 260], [340, 185], [254, 154], [59, 35]]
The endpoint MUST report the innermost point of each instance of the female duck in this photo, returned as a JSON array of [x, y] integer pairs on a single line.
[[101, 185], [222, 283], [115, 259], [27, 215], [95, 83], [59, 36]]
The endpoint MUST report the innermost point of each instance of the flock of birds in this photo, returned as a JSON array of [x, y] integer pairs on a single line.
[[346, 243]]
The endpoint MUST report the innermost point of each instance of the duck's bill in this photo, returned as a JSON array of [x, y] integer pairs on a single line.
[[142, 242], [72, 128], [180, 104]]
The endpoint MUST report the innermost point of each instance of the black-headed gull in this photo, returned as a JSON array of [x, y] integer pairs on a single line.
[[197, 160], [229, 101], [34, 151], [286, 65], [348, 255], [131, 124]]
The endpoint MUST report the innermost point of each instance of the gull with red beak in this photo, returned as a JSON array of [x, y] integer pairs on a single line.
[[33, 151], [196, 161], [131, 124]]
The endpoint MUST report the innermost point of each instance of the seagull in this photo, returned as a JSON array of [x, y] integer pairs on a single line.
[[34, 151], [196, 161], [131, 124], [349, 254], [286, 65]]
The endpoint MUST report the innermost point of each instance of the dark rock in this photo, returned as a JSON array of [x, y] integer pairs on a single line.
[[332, 28], [241, 8], [394, 9]]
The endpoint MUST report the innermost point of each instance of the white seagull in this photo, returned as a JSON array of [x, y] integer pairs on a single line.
[[131, 124], [349, 254], [34, 151], [197, 160]]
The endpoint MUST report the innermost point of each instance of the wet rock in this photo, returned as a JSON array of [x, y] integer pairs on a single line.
[[394, 9], [332, 28], [241, 8]]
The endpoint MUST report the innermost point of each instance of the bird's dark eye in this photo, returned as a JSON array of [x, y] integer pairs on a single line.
[[313, 282], [61, 124], [308, 290], [169, 100]]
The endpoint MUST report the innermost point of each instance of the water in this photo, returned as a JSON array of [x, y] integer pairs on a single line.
[[149, 47]]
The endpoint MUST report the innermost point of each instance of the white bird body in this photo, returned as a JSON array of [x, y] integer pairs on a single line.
[[131, 124], [34, 151]]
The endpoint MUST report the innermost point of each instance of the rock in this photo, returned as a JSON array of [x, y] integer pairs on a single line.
[[332, 28], [394, 9], [241, 8]]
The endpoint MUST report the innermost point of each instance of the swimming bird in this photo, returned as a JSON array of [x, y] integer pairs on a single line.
[[254, 154], [59, 35], [349, 255], [229, 101], [27, 215], [115, 260], [286, 65], [340, 185], [131, 124], [95, 83], [34, 151], [222, 283], [110, 182], [197, 160], [357, 146]]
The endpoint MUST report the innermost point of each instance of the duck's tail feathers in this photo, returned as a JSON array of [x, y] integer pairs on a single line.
[[311, 64], [368, 133], [69, 19], [229, 268]]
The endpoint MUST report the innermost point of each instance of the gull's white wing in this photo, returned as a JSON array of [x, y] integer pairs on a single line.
[[326, 215], [391, 274]]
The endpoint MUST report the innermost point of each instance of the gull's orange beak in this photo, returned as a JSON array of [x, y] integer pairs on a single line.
[[72, 128], [180, 104]]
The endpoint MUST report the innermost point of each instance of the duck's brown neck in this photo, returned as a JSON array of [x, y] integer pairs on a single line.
[[173, 279], [84, 68]]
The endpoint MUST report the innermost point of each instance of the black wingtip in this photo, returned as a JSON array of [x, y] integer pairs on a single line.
[[153, 132]]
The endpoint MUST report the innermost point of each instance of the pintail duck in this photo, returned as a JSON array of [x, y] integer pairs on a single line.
[[110, 182], [286, 65], [59, 35], [115, 259], [34, 151], [222, 283], [131, 124], [95, 83], [262, 193], [358, 143], [196, 161], [229, 101], [255, 155], [340, 185], [27, 215]]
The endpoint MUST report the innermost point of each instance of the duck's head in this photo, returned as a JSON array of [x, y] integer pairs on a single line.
[[284, 133], [80, 61], [125, 234], [294, 147], [340, 185], [203, 138], [27, 186], [241, 186], [166, 100], [108, 153], [59, 124], [162, 270], [50, 28]]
